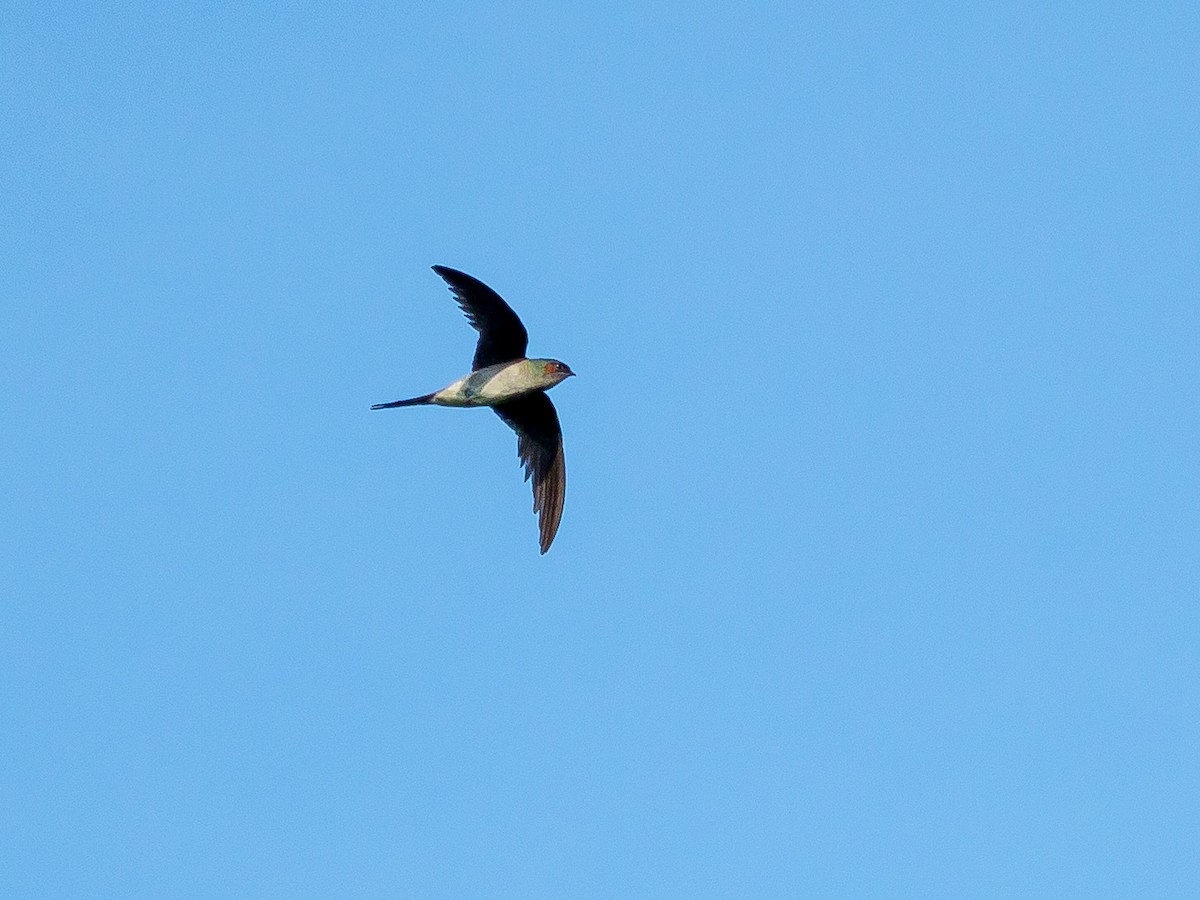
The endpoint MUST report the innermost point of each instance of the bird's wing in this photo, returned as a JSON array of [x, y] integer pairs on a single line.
[[539, 444], [502, 337]]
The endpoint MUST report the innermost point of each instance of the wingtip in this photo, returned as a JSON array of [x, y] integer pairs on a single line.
[[448, 274], [547, 536]]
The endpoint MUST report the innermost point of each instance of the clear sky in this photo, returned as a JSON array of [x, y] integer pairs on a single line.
[[880, 565]]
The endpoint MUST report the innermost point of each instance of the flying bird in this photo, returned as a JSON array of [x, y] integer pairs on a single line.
[[515, 388]]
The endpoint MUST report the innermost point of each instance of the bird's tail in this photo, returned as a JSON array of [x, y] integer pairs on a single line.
[[412, 401]]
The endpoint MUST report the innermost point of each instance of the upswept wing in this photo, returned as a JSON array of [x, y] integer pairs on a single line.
[[540, 447], [502, 337]]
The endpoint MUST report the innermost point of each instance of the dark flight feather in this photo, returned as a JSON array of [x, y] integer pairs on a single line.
[[502, 337], [540, 447]]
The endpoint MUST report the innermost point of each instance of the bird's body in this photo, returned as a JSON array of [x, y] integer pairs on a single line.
[[515, 387], [492, 385]]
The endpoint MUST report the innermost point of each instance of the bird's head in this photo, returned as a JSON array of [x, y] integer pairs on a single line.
[[551, 371]]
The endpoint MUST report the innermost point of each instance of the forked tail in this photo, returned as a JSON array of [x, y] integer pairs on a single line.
[[412, 401]]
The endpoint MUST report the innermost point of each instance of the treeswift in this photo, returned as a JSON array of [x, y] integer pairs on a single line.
[[515, 387]]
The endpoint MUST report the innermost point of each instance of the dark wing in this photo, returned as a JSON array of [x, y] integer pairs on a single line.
[[539, 444], [502, 337]]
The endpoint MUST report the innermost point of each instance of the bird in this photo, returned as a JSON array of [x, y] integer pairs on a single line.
[[515, 388]]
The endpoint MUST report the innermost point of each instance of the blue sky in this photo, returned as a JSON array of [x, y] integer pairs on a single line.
[[878, 574]]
